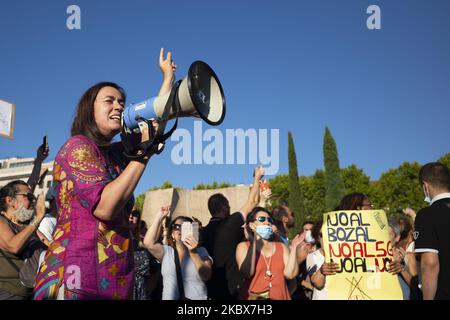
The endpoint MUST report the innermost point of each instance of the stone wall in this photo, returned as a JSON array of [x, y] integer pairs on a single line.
[[191, 202]]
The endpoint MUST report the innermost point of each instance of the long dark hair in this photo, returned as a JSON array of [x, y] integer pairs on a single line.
[[84, 120], [352, 201]]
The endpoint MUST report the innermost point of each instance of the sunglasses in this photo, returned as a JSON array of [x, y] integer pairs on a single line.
[[176, 226], [29, 195], [135, 213], [262, 219]]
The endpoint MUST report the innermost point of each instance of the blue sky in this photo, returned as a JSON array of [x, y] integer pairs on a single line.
[[296, 66]]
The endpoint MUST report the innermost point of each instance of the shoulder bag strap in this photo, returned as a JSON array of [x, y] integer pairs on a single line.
[[179, 275]]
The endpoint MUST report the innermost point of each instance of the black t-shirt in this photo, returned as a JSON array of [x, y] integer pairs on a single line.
[[432, 234], [208, 235], [226, 280]]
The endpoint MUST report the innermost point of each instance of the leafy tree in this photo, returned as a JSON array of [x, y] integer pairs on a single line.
[[335, 188], [279, 185], [165, 185], [295, 194], [139, 201], [355, 180], [214, 185], [398, 188], [445, 159], [313, 188]]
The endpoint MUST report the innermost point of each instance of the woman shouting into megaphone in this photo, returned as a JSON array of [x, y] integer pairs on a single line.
[[91, 256]]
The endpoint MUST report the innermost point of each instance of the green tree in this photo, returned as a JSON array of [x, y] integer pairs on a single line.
[[313, 189], [295, 194], [214, 185], [279, 185], [139, 201], [445, 159], [398, 188], [165, 185], [335, 188], [355, 180]]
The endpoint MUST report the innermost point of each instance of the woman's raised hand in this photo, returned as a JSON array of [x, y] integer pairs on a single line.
[[167, 65]]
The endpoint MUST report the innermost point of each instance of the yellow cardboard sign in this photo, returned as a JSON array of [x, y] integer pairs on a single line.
[[358, 241]]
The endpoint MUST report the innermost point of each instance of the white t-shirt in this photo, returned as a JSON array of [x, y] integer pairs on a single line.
[[314, 261], [194, 287]]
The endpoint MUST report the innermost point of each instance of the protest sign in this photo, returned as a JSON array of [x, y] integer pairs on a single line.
[[6, 119], [358, 241]]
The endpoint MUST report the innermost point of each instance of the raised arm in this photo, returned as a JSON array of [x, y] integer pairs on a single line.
[[291, 264], [116, 193], [41, 155], [168, 68], [151, 237], [253, 200]]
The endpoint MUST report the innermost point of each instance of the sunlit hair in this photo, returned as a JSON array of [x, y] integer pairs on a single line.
[[352, 201], [84, 120]]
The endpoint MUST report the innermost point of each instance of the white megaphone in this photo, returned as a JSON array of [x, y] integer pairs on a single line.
[[199, 95]]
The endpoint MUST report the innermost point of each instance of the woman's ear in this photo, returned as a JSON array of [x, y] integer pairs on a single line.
[[252, 226]]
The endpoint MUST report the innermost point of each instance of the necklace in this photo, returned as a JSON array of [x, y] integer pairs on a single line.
[[268, 273]]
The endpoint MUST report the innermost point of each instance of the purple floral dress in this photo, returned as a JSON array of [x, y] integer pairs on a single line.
[[88, 258]]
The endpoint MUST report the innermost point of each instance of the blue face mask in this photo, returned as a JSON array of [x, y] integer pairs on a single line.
[[264, 232]]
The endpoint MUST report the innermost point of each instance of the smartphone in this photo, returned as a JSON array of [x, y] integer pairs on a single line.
[[45, 143], [187, 229]]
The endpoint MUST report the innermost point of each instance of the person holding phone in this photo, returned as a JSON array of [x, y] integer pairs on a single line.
[[41, 155], [184, 265]]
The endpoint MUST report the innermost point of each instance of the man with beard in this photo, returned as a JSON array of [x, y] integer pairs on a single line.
[[19, 221], [284, 220]]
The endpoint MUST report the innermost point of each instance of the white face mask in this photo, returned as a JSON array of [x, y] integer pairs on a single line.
[[427, 197], [23, 214]]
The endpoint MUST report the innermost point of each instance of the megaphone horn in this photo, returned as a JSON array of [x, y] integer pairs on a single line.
[[199, 95]]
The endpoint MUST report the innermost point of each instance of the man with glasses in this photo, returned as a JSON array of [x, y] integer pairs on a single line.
[[20, 217]]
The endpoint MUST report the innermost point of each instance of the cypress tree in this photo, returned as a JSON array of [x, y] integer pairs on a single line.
[[335, 188], [295, 194]]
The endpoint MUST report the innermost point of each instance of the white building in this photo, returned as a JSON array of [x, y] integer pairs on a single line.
[[20, 169]]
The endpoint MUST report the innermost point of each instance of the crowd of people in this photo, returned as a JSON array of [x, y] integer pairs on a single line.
[[91, 243]]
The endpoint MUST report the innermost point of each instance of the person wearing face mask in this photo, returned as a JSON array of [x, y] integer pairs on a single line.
[[265, 263], [91, 254], [19, 221], [432, 236]]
